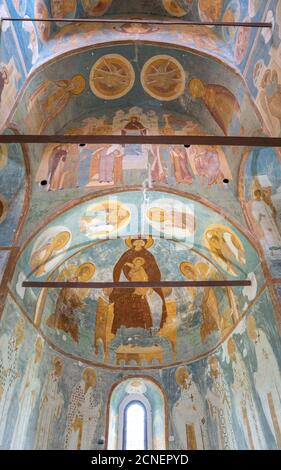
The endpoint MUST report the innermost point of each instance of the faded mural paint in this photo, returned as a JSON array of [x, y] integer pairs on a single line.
[[200, 356]]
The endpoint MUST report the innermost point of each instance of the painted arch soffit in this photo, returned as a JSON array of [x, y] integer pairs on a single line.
[[112, 77], [162, 327]]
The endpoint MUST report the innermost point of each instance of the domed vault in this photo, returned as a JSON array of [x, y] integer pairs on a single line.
[[137, 213]]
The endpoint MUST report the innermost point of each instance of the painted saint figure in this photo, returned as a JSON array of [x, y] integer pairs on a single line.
[[179, 158], [9, 349], [271, 98], [189, 414], [56, 168], [131, 306], [83, 414], [46, 251], [28, 395], [50, 98], [220, 406], [71, 300], [4, 79], [267, 378], [50, 406], [207, 164], [158, 170], [220, 102], [264, 215], [243, 397], [106, 163], [225, 247]]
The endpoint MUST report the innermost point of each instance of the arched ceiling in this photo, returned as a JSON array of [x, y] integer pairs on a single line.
[[85, 79], [106, 106], [181, 325], [105, 79]]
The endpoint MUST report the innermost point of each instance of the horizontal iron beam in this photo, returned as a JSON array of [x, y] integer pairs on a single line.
[[143, 139], [144, 21], [130, 285]]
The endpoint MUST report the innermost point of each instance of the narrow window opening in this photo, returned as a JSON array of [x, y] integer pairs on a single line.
[[135, 426]]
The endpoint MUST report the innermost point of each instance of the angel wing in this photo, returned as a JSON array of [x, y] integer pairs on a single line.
[[235, 247]]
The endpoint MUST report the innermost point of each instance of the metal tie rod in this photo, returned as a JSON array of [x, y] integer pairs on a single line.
[[130, 285], [142, 21], [232, 141]]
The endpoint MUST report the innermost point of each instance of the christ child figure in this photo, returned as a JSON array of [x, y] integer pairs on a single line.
[[137, 273]]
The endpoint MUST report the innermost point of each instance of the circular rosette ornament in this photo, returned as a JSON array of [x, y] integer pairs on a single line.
[[112, 77], [163, 78]]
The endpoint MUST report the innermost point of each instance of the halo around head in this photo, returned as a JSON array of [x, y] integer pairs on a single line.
[[149, 242]]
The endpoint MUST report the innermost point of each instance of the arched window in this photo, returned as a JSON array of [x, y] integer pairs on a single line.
[[137, 416], [135, 426]]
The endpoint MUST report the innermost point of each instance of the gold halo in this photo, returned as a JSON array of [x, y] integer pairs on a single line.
[[173, 9], [186, 264], [3, 155], [180, 372], [149, 241], [3, 208], [80, 84], [60, 240], [91, 268], [98, 9], [219, 229], [163, 78], [112, 77]]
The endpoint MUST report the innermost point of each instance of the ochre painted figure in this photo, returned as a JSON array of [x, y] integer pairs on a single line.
[[70, 300], [51, 405], [220, 102]]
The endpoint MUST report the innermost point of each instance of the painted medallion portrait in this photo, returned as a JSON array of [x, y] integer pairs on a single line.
[[48, 248], [163, 78], [105, 218], [172, 218], [112, 77]]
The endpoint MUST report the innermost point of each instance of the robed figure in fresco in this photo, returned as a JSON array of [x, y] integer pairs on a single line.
[[131, 306], [245, 407], [220, 102], [189, 414], [82, 414], [9, 373], [50, 406], [29, 392], [71, 300], [220, 406], [267, 378]]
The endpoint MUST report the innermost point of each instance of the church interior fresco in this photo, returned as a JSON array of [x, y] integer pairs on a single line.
[[193, 348]]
